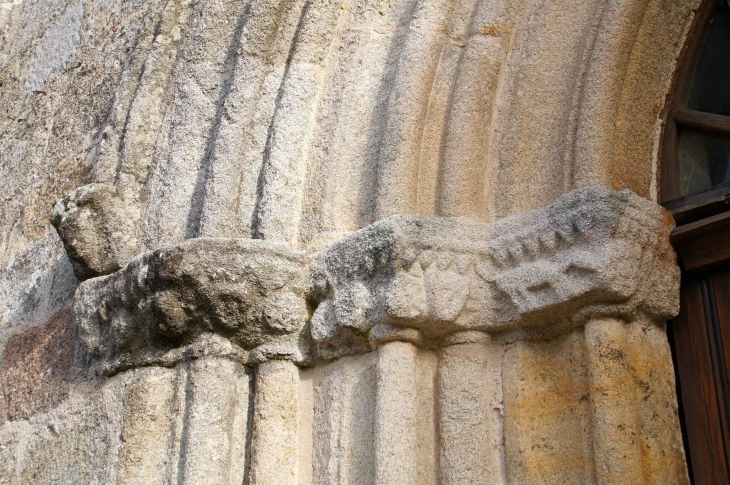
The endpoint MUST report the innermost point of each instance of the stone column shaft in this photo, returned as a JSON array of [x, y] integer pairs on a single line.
[[395, 414], [274, 445], [616, 433], [470, 417], [148, 428], [215, 422]]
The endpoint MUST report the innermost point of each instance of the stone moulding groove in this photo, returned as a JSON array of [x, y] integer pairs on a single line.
[[430, 280]]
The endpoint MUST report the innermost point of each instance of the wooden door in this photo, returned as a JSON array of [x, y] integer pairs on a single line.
[[701, 342], [695, 187]]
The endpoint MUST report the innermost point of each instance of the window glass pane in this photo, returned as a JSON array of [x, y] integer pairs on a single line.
[[710, 90], [703, 160]]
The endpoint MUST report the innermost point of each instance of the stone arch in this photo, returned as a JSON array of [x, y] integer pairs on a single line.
[[584, 109], [631, 114], [350, 113], [497, 108]]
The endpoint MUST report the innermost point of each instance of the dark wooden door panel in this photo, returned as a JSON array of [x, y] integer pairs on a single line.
[[721, 283], [715, 332], [698, 366], [703, 244]]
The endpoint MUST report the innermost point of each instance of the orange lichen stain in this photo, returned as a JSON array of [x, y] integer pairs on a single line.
[[655, 111], [494, 30]]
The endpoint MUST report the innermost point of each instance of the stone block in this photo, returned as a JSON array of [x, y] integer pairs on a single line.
[[97, 228]]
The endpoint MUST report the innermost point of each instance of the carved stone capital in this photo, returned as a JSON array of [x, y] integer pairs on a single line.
[[243, 299], [593, 252]]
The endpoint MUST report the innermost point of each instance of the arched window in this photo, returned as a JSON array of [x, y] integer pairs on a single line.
[[695, 187], [696, 152]]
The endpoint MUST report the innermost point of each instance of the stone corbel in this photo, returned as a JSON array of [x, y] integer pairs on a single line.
[[215, 309]]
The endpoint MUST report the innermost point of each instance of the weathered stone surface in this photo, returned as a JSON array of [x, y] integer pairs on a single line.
[[37, 368], [305, 426], [216, 424], [470, 414], [300, 121], [634, 418], [274, 444], [428, 431], [243, 299], [548, 435], [396, 413], [97, 229], [153, 425], [11, 445], [31, 293], [72, 448], [655, 395], [147, 433], [62, 63], [344, 420], [591, 252]]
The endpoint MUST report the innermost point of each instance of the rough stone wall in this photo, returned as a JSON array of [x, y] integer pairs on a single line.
[[60, 66], [297, 122]]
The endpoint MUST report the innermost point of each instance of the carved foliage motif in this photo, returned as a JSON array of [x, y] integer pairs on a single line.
[[592, 252]]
